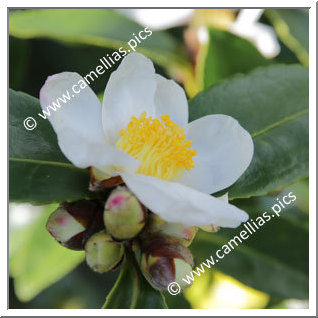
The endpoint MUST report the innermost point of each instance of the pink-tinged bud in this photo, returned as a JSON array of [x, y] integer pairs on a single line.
[[163, 261], [124, 215], [69, 223], [210, 228], [103, 253], [157, 225]]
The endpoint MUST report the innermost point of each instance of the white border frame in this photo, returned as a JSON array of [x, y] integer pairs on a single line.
[[312, 162]]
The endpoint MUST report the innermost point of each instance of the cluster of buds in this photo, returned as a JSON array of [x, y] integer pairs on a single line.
[[98, 227], [105, 228]]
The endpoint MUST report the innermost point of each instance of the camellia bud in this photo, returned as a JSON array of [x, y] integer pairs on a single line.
[[100, 180], [102, 252], [157, 225], [165, 260], [69, 223], [124, 215]]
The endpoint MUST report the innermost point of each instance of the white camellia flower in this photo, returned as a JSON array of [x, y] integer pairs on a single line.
[[263, 36], [141, 133], [159, 19]]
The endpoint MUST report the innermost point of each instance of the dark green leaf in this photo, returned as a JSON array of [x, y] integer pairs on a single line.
[[41, 182], [227, 54], [266, 97], [148, 297], [292, 27], [273, 260], [39, 172], [281, 156], [272, 104], [285, 55], [132, 290], [18, 63], [38, 144], [46, 57], [99, 27]]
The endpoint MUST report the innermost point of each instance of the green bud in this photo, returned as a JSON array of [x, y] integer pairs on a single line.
[[68, 223], [103, 253], [210, 228], [185, 235], [165, 260], [124, 215]]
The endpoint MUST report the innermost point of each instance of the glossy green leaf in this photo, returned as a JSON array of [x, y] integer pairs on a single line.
[[272, 104], [39, 172], [132, 290], [37, 144], [225, 55], [45, 57], [266, 97], [274, 259], [99, 27], [292, 27], [36, 260], [41, 182], [281, 156]]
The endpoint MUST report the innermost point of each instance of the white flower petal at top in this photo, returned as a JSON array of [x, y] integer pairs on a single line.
[[171, 99], [177, 203], [82, 113], [159, 19], [129, 92], [224, 151]]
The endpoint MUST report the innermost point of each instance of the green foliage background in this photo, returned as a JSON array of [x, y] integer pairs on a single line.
[[269, 97]]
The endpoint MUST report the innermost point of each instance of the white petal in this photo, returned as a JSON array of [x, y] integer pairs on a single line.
[[224, 151], [129, 92], [82, 113], [78, 124], [211, 228], [158, 19], [85, 154], [263, 36], [171, 99], [248, 16], [177, 203]]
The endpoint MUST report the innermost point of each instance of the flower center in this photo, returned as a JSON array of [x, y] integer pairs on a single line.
[[160, 146]]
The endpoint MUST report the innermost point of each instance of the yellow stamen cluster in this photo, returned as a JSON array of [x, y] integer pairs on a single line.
[[159, 145]]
